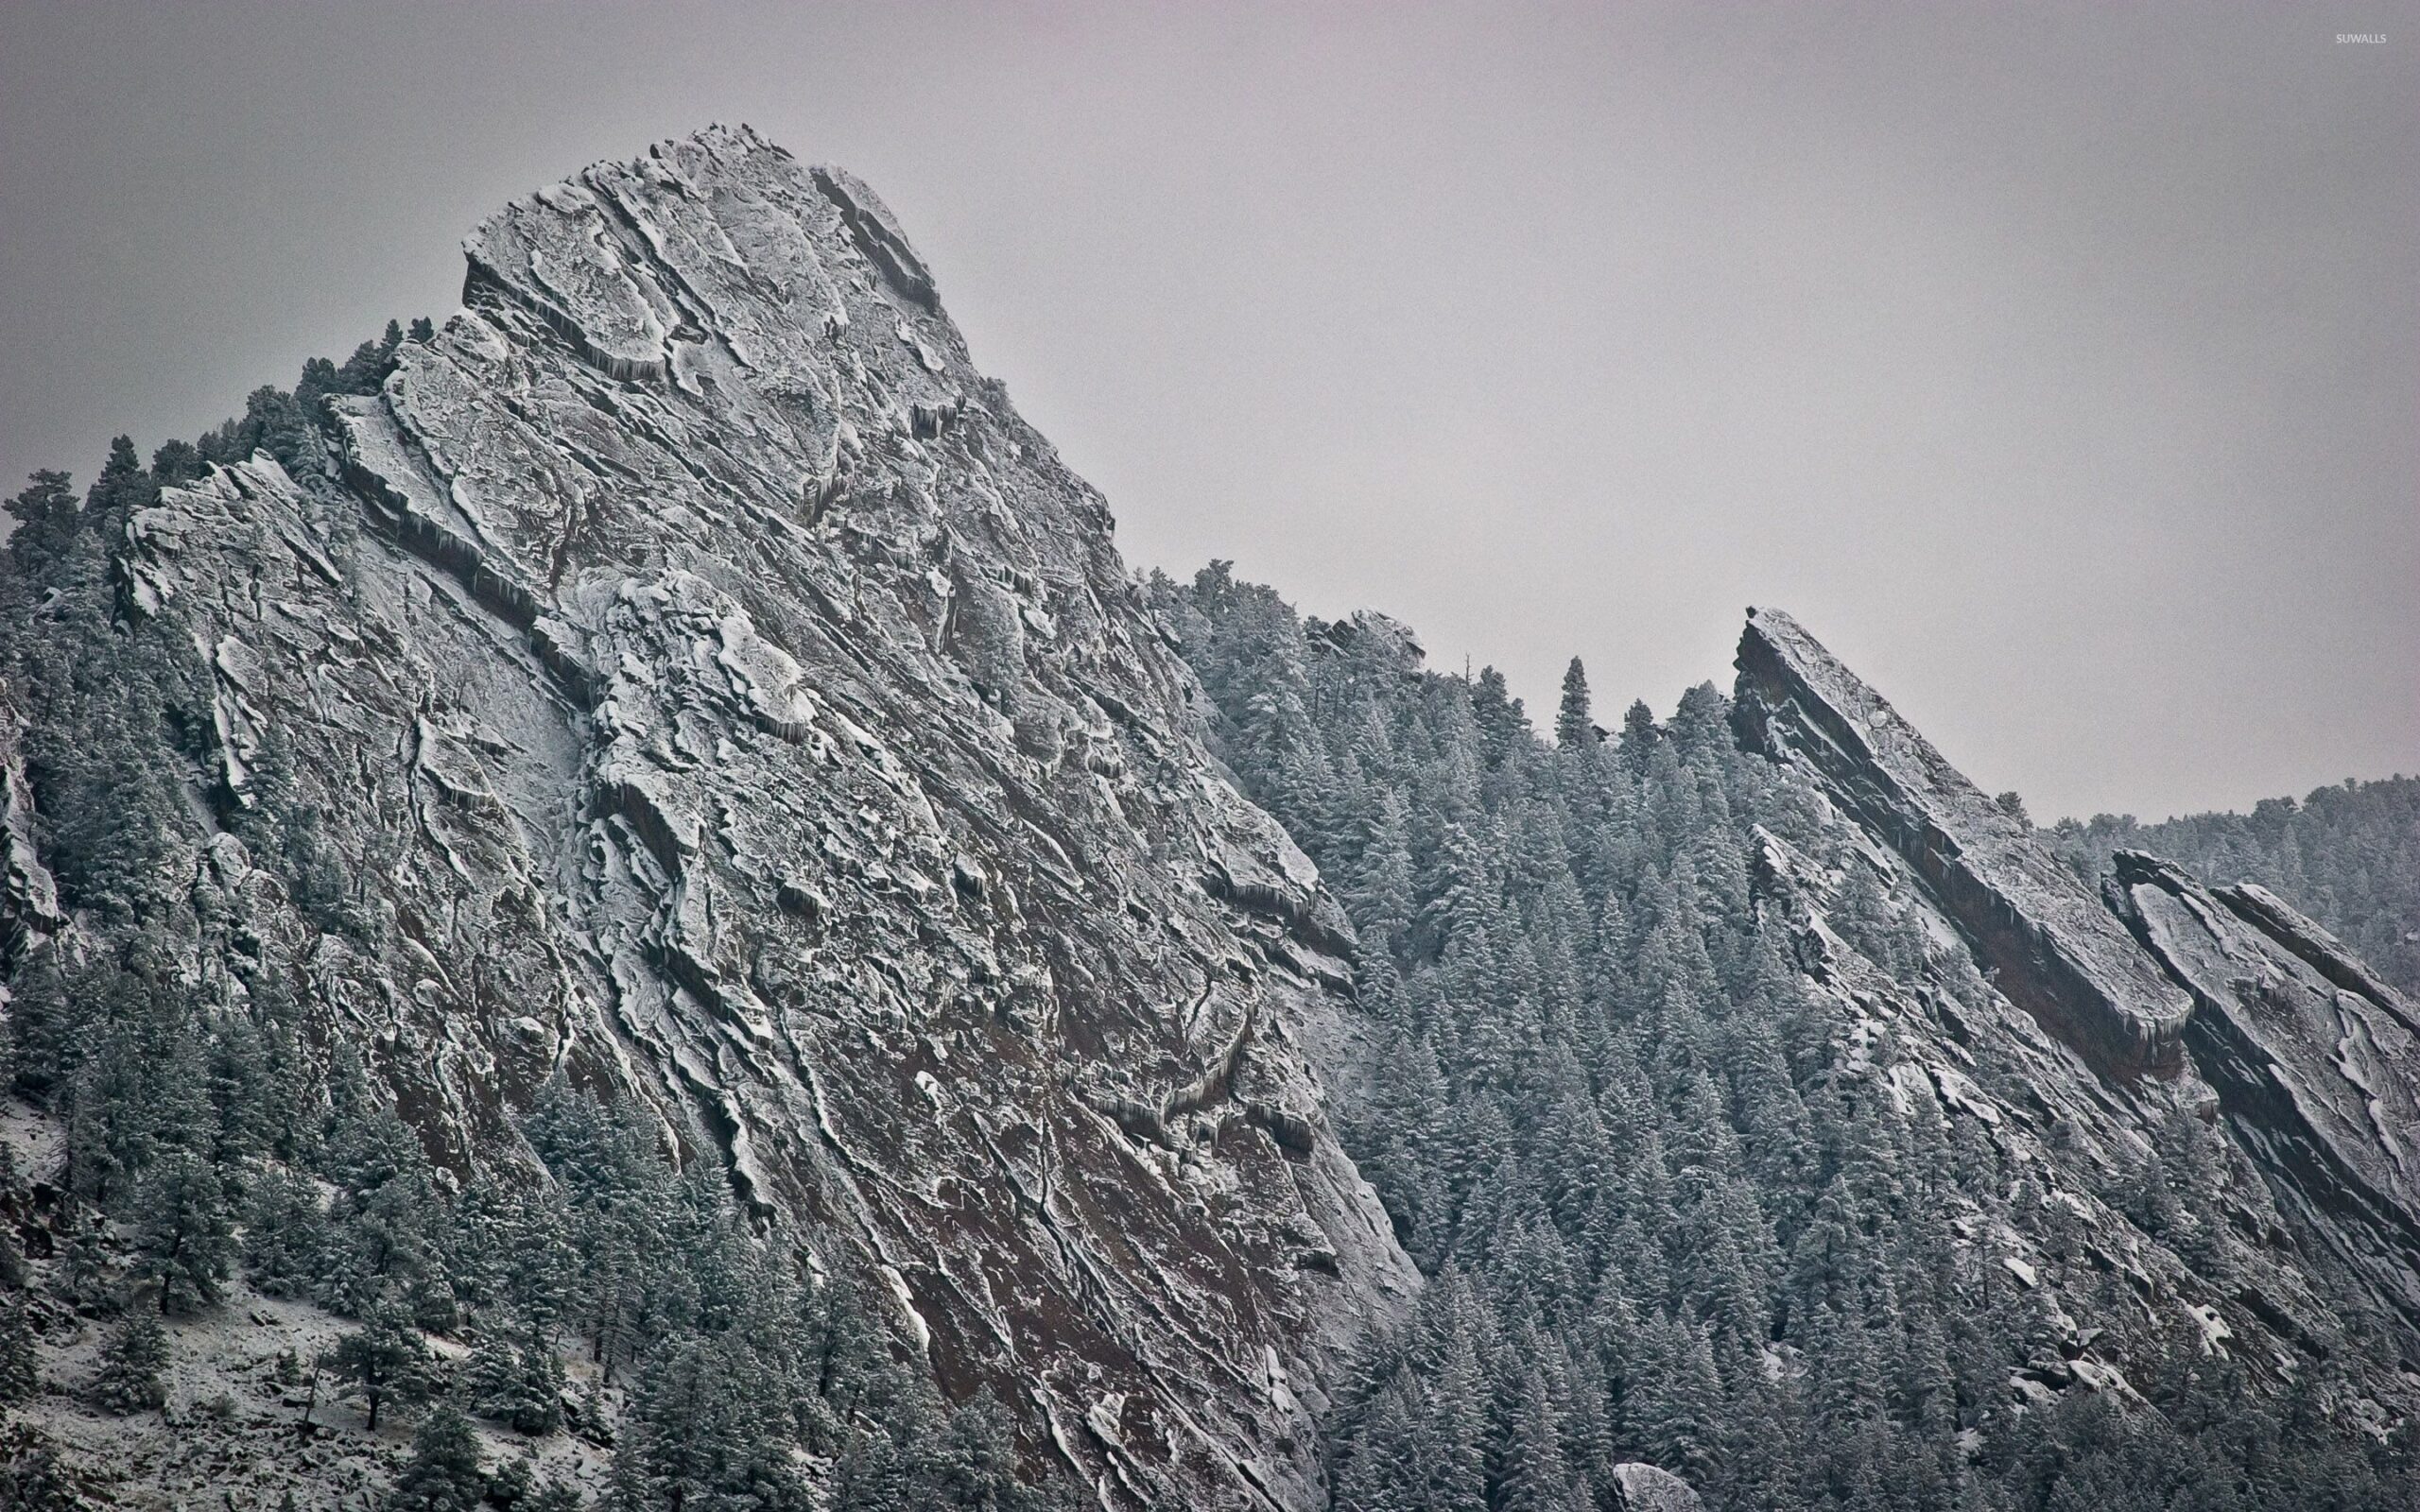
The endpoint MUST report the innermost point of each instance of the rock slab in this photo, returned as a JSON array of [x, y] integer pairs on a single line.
[[2316, 1062], [2052, 947], [715, 693], [1639, 1488]]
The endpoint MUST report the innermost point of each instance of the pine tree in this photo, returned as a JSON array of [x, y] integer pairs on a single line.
[[697, 1437], [86, 1277], [1573, 728], [240, 1094], [32, 1479], [186, 1245], [45, 1024], [540, 1267], [1387, 1468], [840, 1345], [380, 1235], [177, 462], [1501, 720], [555, 1496], [443, 1474], [1457, 1425], [1639, 736], [1534, 1476], [284, 1231], [516, 1377], [872, 1476], [384, 1359], [20, 1376], [132, 1361], [47, 520], [978, 1458], [515, 1485]]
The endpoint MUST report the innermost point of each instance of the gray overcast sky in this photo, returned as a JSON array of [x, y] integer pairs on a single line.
[[2059, 366]]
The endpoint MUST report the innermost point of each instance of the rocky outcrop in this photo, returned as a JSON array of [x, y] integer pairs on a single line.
[[29, 898], [2315, 1061], [2162, 1000], [709, 688], [2050, 946], [1956, 1057]]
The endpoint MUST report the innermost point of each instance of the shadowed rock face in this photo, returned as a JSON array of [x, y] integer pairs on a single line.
[[725, 697], [2315, 1061], [2052, 947]]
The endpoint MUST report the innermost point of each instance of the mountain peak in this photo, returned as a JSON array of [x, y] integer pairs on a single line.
[[688, 644]]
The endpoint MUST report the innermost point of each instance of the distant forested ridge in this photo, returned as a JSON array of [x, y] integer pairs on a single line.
[[2348, 856], [1672, 1202]]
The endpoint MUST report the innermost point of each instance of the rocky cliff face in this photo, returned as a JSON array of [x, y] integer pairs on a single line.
[[2315, 1061], [721, 695], [2054, 950], [2166, 1000]]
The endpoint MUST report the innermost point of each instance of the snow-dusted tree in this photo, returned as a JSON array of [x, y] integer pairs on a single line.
[[134, 1359]]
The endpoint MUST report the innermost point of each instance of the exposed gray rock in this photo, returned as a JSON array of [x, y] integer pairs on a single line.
[[714, 690], [2054, 950], [1645, 1488], [1949, 1050], [2235, 1002], [29, 898], [2315, 1061]]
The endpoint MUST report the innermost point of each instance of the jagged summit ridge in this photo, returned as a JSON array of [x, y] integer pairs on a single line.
[[735, 705], [2059, 954]]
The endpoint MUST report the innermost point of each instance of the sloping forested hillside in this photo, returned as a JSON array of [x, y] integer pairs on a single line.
[[623, 902], [1676, 1203]]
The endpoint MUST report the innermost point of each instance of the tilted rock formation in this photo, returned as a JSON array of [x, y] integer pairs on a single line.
[[2056, 951], [2315, 1061], [715, 692], [690, 678], [1950, 1049], [2232, 1002]]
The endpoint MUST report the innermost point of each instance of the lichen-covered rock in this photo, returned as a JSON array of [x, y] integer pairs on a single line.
[[29, 898], [707, 686]]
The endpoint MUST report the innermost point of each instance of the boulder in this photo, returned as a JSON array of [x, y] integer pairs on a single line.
[[1639, 1488]]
